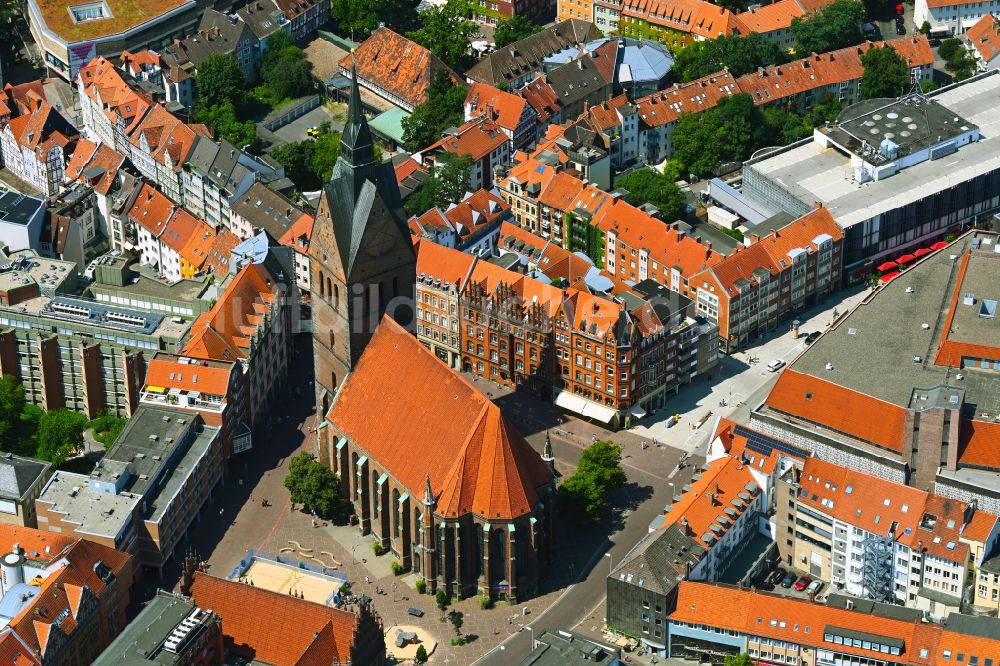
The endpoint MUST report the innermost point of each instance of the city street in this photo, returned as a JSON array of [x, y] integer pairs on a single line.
[[738, 386]]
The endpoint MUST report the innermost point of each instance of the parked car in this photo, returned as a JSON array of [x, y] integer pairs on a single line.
[[788, 580], [415, 612], [803, 583], [899, 10], [776, 576], [775, 365], [312, 132], [811, 338], [814, 587]]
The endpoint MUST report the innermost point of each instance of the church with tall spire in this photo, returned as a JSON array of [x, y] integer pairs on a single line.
[[362, 261]]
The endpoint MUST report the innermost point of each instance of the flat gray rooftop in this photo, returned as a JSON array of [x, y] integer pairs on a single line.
[[17, 208], [873, 349], [982, 284], [96, 513], [912, 126], [562, 648], [811, 173], [141, 641]]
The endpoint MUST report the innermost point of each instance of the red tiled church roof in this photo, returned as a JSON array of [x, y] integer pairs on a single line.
[[440, 426]]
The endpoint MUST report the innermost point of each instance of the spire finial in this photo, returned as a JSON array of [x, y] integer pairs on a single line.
[[428, 493]]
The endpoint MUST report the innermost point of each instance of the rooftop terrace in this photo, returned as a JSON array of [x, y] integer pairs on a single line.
[[80, 20]]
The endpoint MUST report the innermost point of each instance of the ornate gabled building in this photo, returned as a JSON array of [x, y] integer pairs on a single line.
[[436, 473], [362, 259]]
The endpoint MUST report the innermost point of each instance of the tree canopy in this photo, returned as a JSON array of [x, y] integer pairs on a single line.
[[107, 428], [514, 29], [11, 406], [741, 659], [218, 80], [360, 18], [284, 69], [741, 55], [448, 33], [598, 473], [648, 186], [224, 122], [60, 435], [724, 133], [447, 184], [836, 26], [313, 485], [309, 163], [444, 108], [886, 73]]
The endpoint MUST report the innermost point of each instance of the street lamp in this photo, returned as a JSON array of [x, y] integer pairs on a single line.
[[671, 485], [611, 563]]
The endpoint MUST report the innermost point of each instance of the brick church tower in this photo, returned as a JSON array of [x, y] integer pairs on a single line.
[[362, 261]]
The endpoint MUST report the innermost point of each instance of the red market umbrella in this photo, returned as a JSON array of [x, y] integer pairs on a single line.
[[889, 276], [887, 266], [940, 245], [905, 259], [922, 252]]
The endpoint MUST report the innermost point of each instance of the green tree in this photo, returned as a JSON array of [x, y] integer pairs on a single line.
[[60, 435], [826, 109], [313, 485], [447, 33], [457, 620], [360, 18], [784, 127], [728, 132], [741, 55], [11, 407], [599, 472], [928, 85], [284, 68], [444, 108], [925, 28], [297, 158], [886, 73], [648, 186], [949, 48], [673, 170], [421, 656], [514, 29], [218, 81], [107, 428], [326, 149], [447, 184], [441, 598], [741, 659], [223, 121], [836, 26], [961, 65]]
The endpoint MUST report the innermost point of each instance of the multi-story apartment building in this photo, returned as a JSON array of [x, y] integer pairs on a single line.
[[441, 278], [215, 390], [37, 144], [69, 597], [261, 208], [251, 323], [606, 358], [956, 16], [82, 355], [217, 34], [175, 242], [515, 117], [882, 540], [676, 23], [147, 490], [984, 42], [483, 140], [787, 271], [297, 237]]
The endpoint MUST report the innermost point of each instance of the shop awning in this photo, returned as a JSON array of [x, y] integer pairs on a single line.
[[638, 412], [887, 266], [940, 245], [905, 259], [889, 276], [573, 403], [921, 252], [598, 412]]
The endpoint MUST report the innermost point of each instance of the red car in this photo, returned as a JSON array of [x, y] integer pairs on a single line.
[[899, 10], [802, 583]]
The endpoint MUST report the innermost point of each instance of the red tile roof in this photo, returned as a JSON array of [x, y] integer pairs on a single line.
[[476, 211], [193, 376], [276, 628], [985, 37], [979, 444], [692, 16], [502, 107], [151, 210], [477, 138], [298, 234], [703, 507], [224, 332], [542, 98], [667, 105], [767, 18], [736, 446], [843, 410], [397, 65], [477, 462], [802, 622], [443, 263]]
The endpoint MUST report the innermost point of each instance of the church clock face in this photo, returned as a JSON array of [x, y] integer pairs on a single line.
[[378, 242]]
